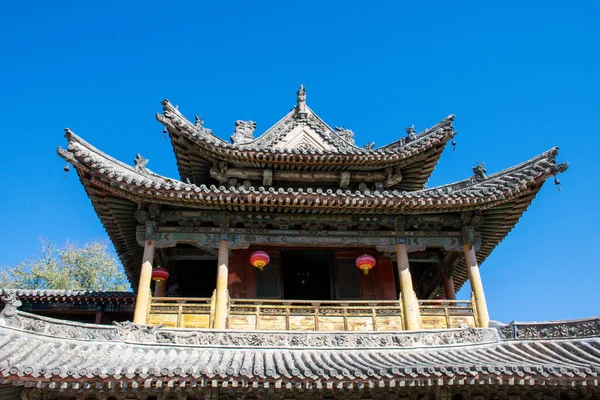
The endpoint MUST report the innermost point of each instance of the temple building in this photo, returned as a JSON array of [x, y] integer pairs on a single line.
[[295, 265]]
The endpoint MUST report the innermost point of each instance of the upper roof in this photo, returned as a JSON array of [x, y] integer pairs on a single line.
[[301, 141]]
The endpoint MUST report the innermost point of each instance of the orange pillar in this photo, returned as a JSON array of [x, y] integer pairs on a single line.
[[483, 316], [410, 304], [386, 279], [449, 286], [222, 295], [143, 293]]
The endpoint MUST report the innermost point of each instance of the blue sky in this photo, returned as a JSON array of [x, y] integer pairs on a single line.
[[520, 78]]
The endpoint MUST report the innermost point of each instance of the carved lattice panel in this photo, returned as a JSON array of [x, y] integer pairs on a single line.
[[347, 280], [268, 281]]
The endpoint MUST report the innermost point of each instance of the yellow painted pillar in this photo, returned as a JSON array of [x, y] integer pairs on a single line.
[[483, 317], [222, 295], [449, 287], [143, 293], [410, 304]]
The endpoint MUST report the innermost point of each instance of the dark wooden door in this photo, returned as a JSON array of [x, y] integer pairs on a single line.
[[306, 275]]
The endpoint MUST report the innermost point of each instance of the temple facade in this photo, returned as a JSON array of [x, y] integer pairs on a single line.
[[296, 264]]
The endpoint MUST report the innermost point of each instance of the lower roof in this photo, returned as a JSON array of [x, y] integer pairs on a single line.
[[34, 348], [70, 296]]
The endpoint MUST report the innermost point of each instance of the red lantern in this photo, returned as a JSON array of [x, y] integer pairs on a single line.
[[365, 262], [259, 259], [160, 274]]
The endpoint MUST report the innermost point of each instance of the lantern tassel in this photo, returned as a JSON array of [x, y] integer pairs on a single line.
[[366, 271]]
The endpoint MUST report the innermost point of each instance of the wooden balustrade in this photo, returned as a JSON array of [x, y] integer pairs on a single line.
[[436, 314], [181, 312], [303, 315], [307, 315]]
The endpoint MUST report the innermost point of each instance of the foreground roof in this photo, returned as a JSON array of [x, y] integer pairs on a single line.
[[39, 349]]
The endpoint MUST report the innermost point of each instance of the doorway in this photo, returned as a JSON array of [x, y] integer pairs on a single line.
[[306, 275]]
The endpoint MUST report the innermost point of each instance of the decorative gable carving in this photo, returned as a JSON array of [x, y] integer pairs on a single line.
[[303, 137]]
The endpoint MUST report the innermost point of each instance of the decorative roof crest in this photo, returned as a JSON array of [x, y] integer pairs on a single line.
[[301, 99], [479, 171], [244, 132], [11, 303], [410, 132], [345, 134]]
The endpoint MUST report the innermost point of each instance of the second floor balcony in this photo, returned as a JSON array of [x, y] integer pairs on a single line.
[[309, 315]]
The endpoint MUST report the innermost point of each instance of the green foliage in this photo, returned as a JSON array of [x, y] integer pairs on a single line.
[[71, 267]]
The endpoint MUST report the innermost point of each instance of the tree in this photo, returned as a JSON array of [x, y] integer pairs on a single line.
[[71, 267]]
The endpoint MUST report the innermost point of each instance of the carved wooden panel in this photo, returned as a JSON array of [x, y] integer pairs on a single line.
[[360, 323], [242, 322], [302, 323], [195, 321], [272, 322], [461, 321], [168, 320], [331, 323], [268, 281], [347, 280], [433, 322], [390, 323]]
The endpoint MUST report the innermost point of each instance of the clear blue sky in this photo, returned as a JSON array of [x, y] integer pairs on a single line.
[[520, 78]]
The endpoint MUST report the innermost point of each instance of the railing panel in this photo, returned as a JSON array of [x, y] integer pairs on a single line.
[[315, 315], [441, 314], [178, 312], [305, 315]]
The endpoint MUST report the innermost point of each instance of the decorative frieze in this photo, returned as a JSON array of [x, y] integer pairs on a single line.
[[551, 330], [243, 238]]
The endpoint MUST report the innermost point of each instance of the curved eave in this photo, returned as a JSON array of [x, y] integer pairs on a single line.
[[138, 186], [70, 296], [195, 148], [498, 222]]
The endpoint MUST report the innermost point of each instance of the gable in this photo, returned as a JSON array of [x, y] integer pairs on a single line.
[[304, 137]]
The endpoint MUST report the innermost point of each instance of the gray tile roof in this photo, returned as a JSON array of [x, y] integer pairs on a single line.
[[34, 348], [49, 295]]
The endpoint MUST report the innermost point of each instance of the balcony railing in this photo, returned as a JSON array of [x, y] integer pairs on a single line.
[[307, 315], [437, 314], [302, 315]]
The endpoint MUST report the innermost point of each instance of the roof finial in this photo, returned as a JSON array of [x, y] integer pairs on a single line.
[[410, 132], [301, 108]]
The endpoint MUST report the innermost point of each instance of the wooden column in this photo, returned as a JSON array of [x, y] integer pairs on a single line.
[[160, 288], [386, 279], [449, 286], [410, 304], [98, 319], [483, 317], [222, 295], [143, 293]]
